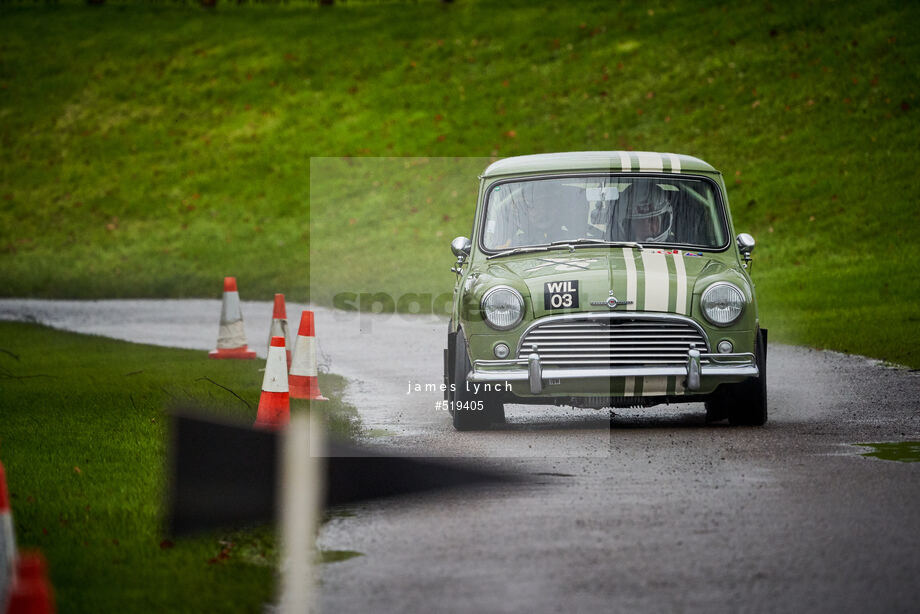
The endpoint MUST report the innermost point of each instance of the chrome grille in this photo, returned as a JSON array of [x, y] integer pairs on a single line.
[[616, 341]]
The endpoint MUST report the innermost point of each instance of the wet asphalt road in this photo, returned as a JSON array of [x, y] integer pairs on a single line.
[[650, 510]]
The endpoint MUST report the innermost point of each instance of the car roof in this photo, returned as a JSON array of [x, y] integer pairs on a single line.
[[630, 161]]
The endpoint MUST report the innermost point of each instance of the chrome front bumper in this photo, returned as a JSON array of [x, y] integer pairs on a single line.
[[531, 370]]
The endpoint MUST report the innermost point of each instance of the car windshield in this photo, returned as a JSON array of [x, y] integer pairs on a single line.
[[648, 210]]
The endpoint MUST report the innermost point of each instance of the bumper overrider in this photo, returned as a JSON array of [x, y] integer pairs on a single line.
[[698, 365]]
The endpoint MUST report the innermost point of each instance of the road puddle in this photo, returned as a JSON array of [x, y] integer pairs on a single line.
[[337, 556], [901, 451]]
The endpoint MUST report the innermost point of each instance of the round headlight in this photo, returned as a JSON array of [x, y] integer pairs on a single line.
[[503, 307], [722, 303]]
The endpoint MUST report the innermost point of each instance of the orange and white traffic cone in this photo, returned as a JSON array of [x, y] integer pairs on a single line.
[[279, 327], [275, 403], [7, 542], [231, 339], [32, 593], [303, 382]]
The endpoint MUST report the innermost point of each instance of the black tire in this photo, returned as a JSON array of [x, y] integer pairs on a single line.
[[750, 397], [744, 404], [717, 405], [471, 419]]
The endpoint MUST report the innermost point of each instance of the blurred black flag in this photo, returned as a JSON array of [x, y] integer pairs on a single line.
[[224, 474]]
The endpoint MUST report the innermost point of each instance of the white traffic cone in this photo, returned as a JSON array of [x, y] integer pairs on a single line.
[[231, 339], [7, 543], [279, 327], [274, 403], [303, 382]]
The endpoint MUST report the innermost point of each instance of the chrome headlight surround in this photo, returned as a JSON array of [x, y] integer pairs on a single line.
[[722, 303], [502, 307]]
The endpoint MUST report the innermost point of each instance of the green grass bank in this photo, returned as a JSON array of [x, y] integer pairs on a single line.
[[150, 150], [82, 438]]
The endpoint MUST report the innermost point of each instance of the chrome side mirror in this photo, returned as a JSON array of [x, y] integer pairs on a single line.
[[745, 246], [461, 247]]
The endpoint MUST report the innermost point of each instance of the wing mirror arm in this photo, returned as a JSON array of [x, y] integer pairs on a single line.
[[461, 247], [745, 246]]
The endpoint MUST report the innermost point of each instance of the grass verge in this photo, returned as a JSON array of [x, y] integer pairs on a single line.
[[182, 137], [82, 437]]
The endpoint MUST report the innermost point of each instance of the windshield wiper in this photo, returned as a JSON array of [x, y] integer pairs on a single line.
[[573, 243], [522, 250], [570, 244]]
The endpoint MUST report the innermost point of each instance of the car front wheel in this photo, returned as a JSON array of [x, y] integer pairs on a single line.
[[471, 411], [744, 404]]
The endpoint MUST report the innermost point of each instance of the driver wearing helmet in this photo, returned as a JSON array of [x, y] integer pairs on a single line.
[[650, 219]]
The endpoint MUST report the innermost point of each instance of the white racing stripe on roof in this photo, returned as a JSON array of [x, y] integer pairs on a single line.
[[649, 161], [675, 162], [625, 163]]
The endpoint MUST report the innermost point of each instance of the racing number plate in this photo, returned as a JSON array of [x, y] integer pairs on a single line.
[[560, 295]]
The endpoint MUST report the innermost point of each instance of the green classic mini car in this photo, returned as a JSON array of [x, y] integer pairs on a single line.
[[604, 279]]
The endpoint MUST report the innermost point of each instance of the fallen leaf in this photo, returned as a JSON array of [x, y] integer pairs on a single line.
[[77, 470], [166, 544]]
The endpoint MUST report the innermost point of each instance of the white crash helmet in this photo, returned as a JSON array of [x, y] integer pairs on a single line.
[[650, 217]]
